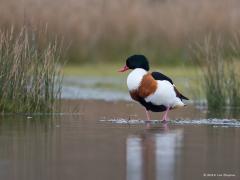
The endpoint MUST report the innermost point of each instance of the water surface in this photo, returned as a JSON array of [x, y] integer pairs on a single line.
[[83, 146]]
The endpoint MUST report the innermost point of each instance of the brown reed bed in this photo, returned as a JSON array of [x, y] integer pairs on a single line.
[[30, 77], [110, 30]]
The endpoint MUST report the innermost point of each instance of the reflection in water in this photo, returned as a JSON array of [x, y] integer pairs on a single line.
[[134, 158], [167, 148], [79, 147], [153, 155], [27, 147]]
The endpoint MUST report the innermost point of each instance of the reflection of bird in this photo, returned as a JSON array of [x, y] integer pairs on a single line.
[[155, 91]]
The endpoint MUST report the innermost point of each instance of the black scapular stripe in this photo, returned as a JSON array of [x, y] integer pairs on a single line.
[[160, 76]]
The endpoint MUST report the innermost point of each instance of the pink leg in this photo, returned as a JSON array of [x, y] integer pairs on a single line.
[[165, 117], [147, 114]]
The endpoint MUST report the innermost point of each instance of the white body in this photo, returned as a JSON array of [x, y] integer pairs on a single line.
[[164, 94], [134, 78]]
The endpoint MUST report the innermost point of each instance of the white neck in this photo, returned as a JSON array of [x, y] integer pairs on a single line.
[[134, 78]]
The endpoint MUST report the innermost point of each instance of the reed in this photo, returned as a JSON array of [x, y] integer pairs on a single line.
[[219, 62], [30, 77], [111, 30]]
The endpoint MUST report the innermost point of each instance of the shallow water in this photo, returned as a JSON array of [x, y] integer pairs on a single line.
[[85, 146], [100, 88]]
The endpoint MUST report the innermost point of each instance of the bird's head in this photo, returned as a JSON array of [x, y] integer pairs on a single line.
[[136, 61]]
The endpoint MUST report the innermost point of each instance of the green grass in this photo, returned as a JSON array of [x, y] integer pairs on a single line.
[[93, 70], [186, 78], [111, 70]]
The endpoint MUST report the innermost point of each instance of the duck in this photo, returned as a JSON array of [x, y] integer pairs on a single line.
[[155, 91]]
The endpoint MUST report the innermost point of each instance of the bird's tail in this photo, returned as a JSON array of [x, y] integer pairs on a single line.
[[178, 104]]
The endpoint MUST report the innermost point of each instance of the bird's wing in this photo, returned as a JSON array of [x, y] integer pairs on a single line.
[[160, 76]]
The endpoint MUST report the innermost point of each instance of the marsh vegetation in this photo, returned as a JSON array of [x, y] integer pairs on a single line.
[[30, 77], [110, 30], [219, 62]]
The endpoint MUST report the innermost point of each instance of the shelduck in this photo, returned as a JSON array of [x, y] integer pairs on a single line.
[[153, 90]]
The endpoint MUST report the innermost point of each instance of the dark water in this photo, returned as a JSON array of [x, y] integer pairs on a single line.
[[84, 148]]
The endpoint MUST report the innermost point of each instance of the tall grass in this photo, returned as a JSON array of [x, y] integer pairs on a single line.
[[110, 30], [219, 61], [30, 78]]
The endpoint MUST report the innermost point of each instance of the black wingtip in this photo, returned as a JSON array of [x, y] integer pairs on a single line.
[[183, 97], [179, 94]]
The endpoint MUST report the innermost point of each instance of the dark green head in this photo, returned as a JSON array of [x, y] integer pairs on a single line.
[[136, 61]]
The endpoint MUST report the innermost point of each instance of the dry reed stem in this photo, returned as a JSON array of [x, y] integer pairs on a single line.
[[30, 79], [136, 25]]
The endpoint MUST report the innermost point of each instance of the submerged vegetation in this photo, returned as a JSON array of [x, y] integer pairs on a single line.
[[30, 78], [219, 62]]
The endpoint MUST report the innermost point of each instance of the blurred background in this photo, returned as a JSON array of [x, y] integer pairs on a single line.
[[108, 31], [66, 112], [191, 41]]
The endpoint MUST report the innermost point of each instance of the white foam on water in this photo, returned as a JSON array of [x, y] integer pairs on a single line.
[[214, 122], [131, 121]]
